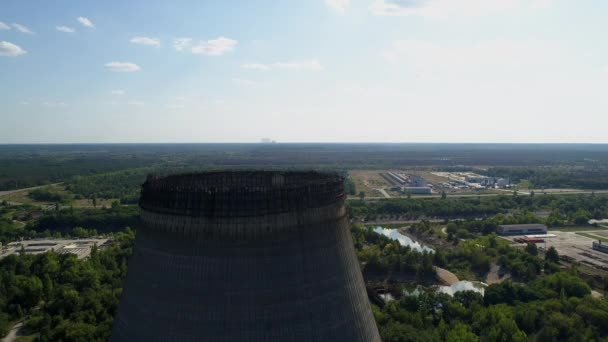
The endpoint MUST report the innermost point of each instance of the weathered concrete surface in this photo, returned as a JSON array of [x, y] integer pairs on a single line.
[[446, 276], [262, 256]]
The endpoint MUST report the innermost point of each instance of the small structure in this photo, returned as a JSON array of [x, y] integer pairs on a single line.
[[418, 190], [522, 229], [503, 182], [598, 246], [478, 179]]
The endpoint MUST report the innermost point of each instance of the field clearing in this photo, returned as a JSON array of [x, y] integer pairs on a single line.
[[22, 197], [367, 180], [593, 236]]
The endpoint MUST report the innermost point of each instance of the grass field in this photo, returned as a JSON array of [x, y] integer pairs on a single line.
[[23, 198], [578, 229], [591, 236]]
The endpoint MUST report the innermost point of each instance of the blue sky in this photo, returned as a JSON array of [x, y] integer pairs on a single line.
[[314, 70]]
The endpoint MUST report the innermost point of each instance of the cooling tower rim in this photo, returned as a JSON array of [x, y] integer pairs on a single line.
[[303, 178], [241, 193]]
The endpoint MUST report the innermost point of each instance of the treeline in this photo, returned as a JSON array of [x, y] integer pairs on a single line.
[[125, 185], [592, 177], [381, 255], [556, 307], [102, 220], [63, 298], [8, 231], [549, 304], [45, 195], [563, 209]]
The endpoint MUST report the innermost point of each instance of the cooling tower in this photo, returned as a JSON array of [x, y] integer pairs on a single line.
[[244, 256]]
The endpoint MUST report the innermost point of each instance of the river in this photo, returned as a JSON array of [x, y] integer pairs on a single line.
[[394, 234]]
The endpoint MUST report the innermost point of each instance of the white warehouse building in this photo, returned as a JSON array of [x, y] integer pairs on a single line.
[[522, 229]]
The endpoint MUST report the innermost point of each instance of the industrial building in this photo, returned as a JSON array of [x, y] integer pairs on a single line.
[[244, 256], [417, 190], [503, 182], [478, 179], [79, 247], [522, 229]]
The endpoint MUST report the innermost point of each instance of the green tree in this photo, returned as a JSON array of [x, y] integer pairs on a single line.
[[532, 249], [552, 255], [461, 333], [362, 195]]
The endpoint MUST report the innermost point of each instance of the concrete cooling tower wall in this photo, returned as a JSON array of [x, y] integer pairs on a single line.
[[244, 256]]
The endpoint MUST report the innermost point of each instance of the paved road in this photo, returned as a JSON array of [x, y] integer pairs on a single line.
[[452, 195], [383, 192], [8, 192]]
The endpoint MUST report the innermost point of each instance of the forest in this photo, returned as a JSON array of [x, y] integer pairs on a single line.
[[572, 209], [544, 177], [63, 298], [546, 304], [23, 166]]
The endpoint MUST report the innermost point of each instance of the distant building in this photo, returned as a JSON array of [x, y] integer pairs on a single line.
[[483, 180], [502, 182], [79, 247], [418, 190], [522, 229]]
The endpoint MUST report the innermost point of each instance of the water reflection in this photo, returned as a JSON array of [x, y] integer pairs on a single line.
[[463, 285], [403, 240]]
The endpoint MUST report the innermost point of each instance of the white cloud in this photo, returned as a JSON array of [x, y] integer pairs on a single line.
[[22, 28], [8, 49], [486, 60], [311, 64], [136, 103], [451, 7], [118, 92], [249, 83], [146, 41], [175, 105], [181, 43], [84, 21], [215, 47], [605, 69], [256, 66], [4, 26], [122, 67], [65, 29], [339, 6], [51, 104], [308, 64]]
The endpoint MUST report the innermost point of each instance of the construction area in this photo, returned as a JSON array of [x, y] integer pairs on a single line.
[[79, 247], [572, 246], [402, 183]]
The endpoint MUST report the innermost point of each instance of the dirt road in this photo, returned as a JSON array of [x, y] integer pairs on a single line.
[[8, 192]]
